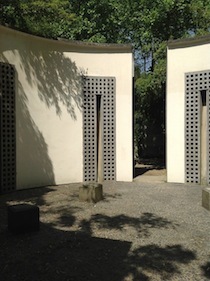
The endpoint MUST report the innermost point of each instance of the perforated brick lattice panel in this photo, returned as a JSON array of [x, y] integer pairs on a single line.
[[7, 131], [109, 129], [105, 88], [208, 128], [90, 137], [195, 83]]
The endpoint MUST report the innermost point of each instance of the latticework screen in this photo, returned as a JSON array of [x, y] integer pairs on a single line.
[[105, 88], [195, 82], [7, 128]]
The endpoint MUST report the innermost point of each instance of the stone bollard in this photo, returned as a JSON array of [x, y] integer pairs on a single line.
[[91, 192], [206, 198]]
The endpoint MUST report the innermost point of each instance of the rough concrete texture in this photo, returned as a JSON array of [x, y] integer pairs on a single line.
[[91, 192], [206, 198]]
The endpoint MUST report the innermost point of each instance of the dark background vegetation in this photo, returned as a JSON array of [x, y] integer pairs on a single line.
[[146, 24]]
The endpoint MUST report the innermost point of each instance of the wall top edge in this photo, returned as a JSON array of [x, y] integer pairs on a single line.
[[112, 46], [188, 42], [109, 47]]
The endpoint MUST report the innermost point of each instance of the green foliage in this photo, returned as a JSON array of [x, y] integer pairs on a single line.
[[11, 13], [160, 21], [48, 19], [99, 21], [45, 18], [200, 19]]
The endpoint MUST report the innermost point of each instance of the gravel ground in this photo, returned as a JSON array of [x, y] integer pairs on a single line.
[[144, 230]]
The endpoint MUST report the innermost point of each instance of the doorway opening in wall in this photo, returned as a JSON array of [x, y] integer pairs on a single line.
[[7, 128], [151, 169], [99, 129], [203, 160], [99, 148], [203, 97]]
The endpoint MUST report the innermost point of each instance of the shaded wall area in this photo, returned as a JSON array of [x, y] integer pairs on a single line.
[[34, 166], [50, 100], [48, 106]]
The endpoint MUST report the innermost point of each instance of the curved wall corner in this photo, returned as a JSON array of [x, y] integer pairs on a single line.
[[49, 105]]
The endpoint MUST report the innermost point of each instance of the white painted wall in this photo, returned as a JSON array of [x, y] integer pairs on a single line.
[[180, 60], [49, 126]]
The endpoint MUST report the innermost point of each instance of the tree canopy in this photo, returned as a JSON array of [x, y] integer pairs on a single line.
[[146, 24]]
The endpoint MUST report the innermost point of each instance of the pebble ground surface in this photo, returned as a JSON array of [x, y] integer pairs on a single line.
[[143, 230]]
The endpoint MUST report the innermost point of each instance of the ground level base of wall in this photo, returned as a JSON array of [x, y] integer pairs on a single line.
[[206, 198]]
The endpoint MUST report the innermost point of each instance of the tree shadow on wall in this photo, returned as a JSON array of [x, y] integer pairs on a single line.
[[57, 81], [56, 77], [33, 161]]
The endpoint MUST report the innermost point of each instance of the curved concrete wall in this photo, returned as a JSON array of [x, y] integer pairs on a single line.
[[183, 56], [49, 105]]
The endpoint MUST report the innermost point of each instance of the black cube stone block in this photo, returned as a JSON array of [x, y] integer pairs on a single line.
[[23, 218]]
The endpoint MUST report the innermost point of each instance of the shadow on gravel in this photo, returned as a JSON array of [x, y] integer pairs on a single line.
[[109, 197], [63, 256], [33, 195], [142, 225], [56, 254], [162, 261], [206, 270]]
